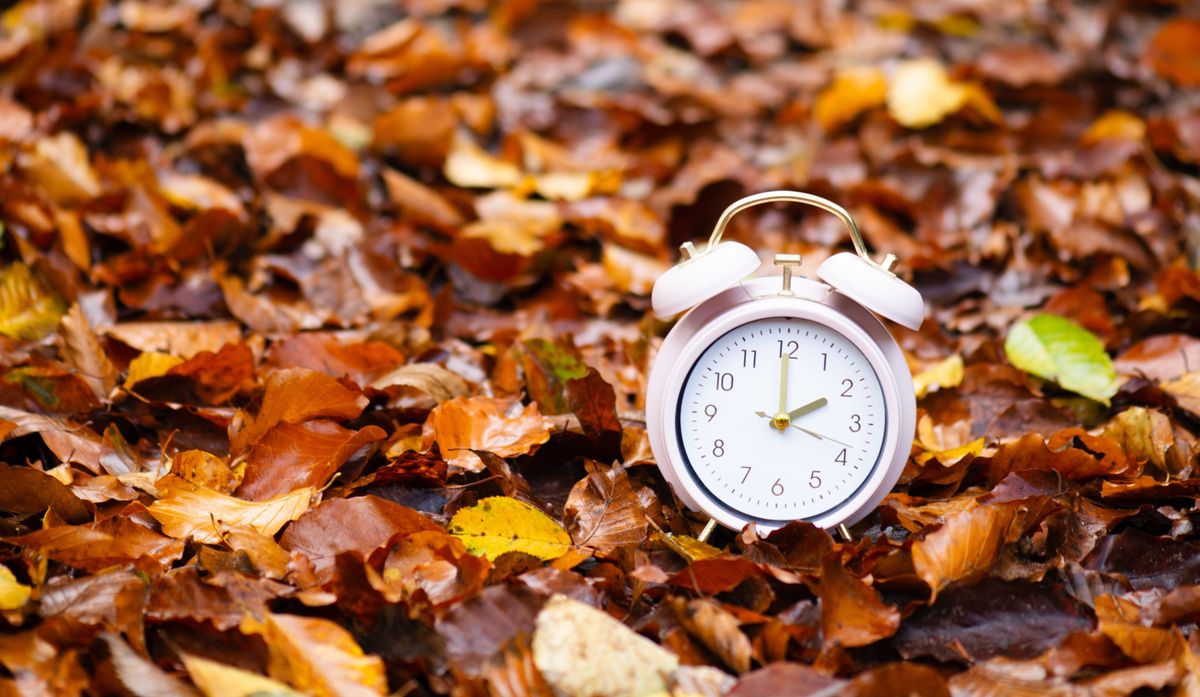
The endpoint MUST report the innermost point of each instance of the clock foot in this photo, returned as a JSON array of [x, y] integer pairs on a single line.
[[708, 530], [845, 533]]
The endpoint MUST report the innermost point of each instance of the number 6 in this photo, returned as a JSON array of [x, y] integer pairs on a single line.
[[777, 488]]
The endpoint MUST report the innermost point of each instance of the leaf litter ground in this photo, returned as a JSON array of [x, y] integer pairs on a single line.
[[325, 333]]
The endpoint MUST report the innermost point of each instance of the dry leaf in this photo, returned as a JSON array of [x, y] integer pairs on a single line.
[[13, 594], [604, 511], [851, 612], [430, 378], [852, 92], [150, 364], [296, 395], [220, 680], [200, 513], [498, 426], [317, 656], [83, 352], [28, 310]]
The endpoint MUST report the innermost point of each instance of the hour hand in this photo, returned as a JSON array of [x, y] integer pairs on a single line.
[[811, 406]]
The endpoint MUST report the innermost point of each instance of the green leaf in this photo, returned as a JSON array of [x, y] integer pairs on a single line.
[[499, 524], [1055, 348]]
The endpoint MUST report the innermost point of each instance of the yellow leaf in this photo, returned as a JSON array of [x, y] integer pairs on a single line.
[[200, 513], [921, 93], [499, 524], [947, 373], [852, 92], [27, 309], [317, 656], [219, 680], [13, 593], [151, 364], [1115, 124], [470, 166], [689, 547], [564, 186]]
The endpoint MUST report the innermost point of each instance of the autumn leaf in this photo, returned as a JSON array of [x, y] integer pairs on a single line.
[[1057, 349], [921, 93], [967, 543], [294, 456], [1172, 52], [83, 352], [496, 425], [296, 395], [430, 378], [13, 593], [942, 375], [604, 510], [28, 309], [317, 656], [499, 524], [199, 513], [852, 613], [852, 92], [150, 364], [219, 680]]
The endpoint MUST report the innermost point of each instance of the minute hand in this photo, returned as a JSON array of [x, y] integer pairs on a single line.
[[811, 406]]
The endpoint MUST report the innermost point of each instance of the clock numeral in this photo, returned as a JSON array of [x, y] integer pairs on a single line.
[[841, 457], [848, 383], [710, 411], [824, 361], [747, 474], [856, 423], [792, 348], [724, 382], [777, 488], [749, 358], [718, 449], [814, 479]]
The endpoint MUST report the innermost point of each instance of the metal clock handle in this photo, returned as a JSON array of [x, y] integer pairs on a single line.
[[799, 197]]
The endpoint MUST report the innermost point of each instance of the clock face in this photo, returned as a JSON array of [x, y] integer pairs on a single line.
[[782, 418]]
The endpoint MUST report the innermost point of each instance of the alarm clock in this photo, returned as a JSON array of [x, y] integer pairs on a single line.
[[781, 398]]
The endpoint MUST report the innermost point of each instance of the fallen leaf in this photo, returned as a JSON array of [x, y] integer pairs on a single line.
[[59, 165], [583, 651], [853, 91], [1173, 51], [28, 309], [13, 593], [717, 629], [1186, 391], [941, 375], [361, 524], [220, 680], [150, 364], [1057, 349], [199, 513], [968, 542], [1161, 358], [920, 93], [205, 470], [432, 379], [183, 339], [83, 352], [604, 510], [26, 490], [470, 166], [852, 613], [114, 541], [499, 524], [360, 362], [293, 456], [432, 567], [139, 676], [1147, 437], [317, 656], [296, 395], [499, 426], [1116, 124]]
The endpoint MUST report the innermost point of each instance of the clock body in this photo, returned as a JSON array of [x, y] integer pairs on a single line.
[[740, 360]]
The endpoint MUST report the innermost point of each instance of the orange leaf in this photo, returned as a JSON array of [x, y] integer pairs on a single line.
[[1174, 52], [966, 545], [291, 456], [851, 612], [199, 513], [296, 395], [317, 656], [497, 425]]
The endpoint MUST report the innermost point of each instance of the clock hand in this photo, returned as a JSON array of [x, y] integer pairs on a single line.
[[821, 437], [811, 406], [781, 420]]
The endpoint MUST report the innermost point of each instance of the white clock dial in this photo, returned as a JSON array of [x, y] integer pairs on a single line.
[[782, 419]]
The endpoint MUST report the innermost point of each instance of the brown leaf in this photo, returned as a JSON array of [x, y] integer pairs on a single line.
[[604, 510], [1186, 391], [499, 426], [431, 567], [1161, 357], [204, 470], [221, 599], [1103, 456], [851, 612], [83, 352], [296, 395], [360, 362], [26, 490], [183, 339], [717, 629], [114, 541], [781, 678], [1147, 437], [361, 524], [293, 456], [968, 542]]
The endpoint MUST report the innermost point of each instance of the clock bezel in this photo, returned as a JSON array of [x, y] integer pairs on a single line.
[[758, 299]]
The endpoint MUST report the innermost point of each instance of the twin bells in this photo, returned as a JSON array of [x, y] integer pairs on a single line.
[[722, 265]]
